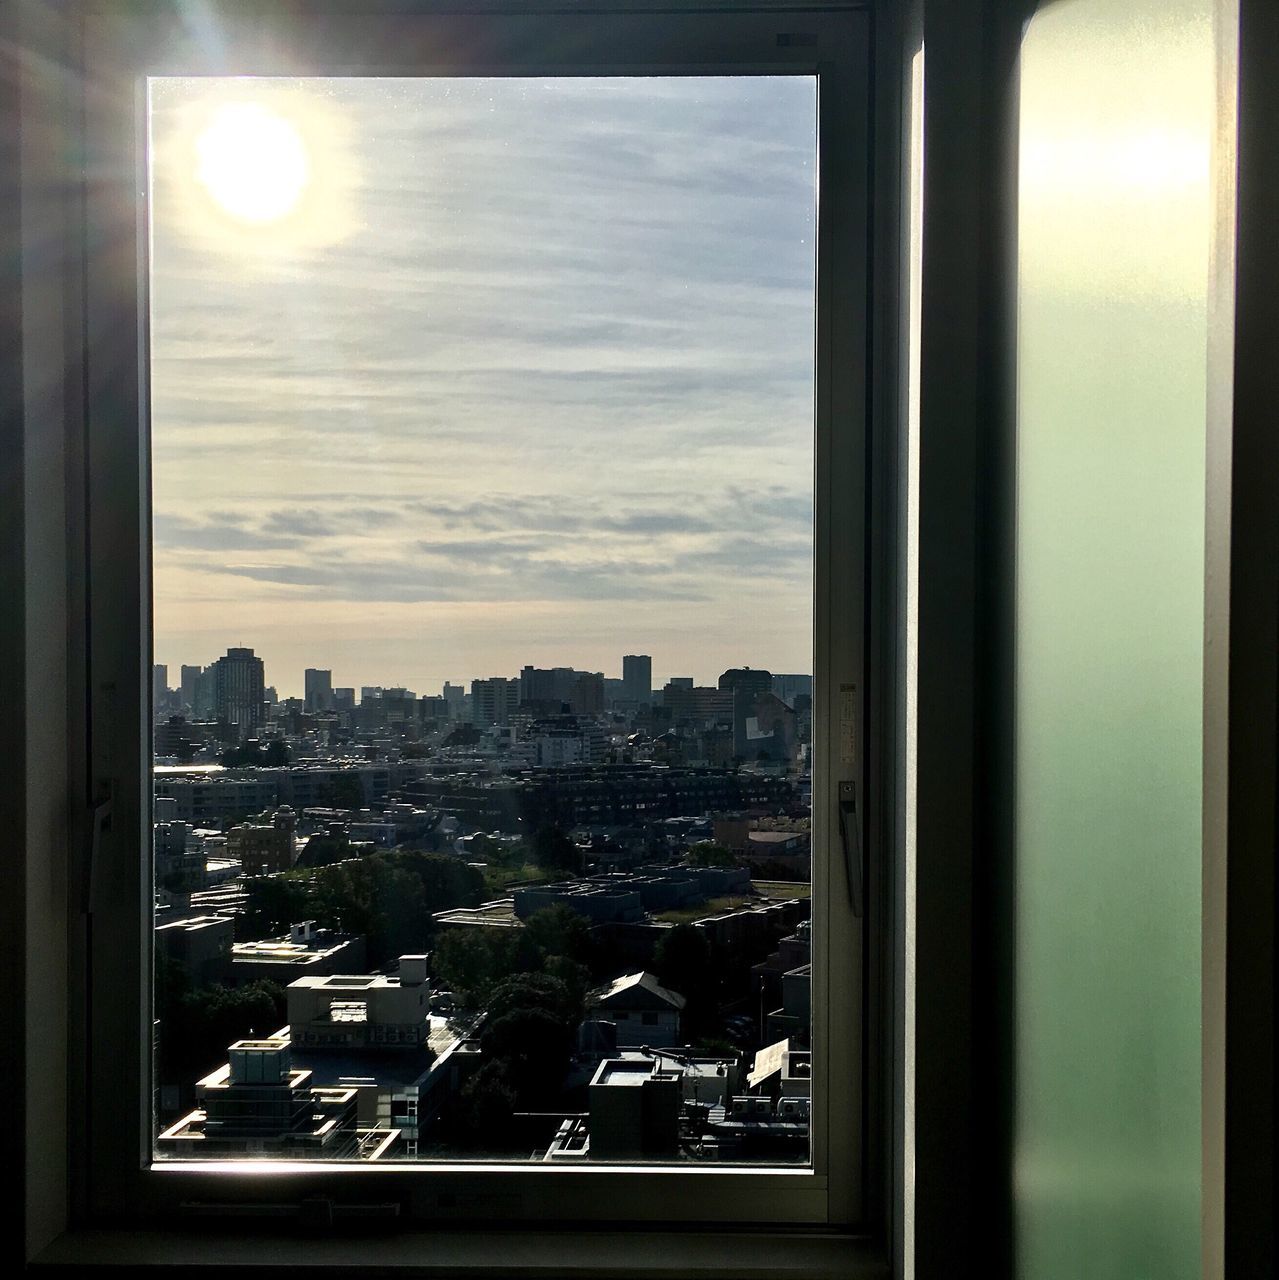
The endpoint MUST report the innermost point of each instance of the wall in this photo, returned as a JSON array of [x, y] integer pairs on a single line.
[[1116, 114]]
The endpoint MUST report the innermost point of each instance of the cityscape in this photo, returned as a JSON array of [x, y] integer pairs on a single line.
[[454, 380], [555, 916]]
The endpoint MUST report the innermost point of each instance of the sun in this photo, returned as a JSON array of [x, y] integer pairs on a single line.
[[253, 163]]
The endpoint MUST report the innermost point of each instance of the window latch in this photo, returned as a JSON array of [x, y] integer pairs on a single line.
[[851, 838]]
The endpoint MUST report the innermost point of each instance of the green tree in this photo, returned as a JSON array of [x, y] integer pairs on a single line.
[[487, 1102], [706, 853], [272, 904], [560, 931], [534, 991], [683, 962], [275, 754], [198, 1024], [531, 1027], [553, 850], [472, 961]]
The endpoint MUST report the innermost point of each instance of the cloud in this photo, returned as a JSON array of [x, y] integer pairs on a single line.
[[565, 355]]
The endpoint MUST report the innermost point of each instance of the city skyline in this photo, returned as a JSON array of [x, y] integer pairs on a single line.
[[287, 690], [527, 372]]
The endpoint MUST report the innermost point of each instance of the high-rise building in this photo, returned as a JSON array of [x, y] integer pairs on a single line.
[[370, 692], [494, 701], [318, 690], [581, 691], [698, 705], [790, 687], [453, 695], [637, 677], [343, 699], [239, 686], [746, 685], [188, 687], [204, 702], [159, 685], [745, 681]]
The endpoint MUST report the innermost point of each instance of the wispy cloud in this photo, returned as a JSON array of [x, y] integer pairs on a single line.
[[565, 354]]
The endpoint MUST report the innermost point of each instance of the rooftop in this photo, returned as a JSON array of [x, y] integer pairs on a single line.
[[635, 982]]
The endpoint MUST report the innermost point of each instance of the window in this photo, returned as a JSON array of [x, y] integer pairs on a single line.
[[139, 528]]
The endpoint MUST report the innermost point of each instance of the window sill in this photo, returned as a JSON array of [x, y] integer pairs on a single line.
[[659, 1254]]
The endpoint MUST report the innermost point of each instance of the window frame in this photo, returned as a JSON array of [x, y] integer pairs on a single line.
[[117, 568]]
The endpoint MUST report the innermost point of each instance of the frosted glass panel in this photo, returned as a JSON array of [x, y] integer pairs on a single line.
[[1116, 111]]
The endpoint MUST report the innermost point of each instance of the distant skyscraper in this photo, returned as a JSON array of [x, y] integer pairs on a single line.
[[790, 687], [318, 689], [188, 688], [637, 677], [159, 684], [238, 689], [370, 692], [494, 701], [343, 699], [206, 688], [745, 680], [746, 685]]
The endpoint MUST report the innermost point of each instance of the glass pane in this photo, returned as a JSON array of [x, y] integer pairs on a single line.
[[482, 446], [1116, 128]]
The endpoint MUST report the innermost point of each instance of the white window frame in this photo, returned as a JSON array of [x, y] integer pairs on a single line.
[[113, 1144]]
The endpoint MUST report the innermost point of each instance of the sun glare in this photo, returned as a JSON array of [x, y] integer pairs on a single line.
[[252, 162]]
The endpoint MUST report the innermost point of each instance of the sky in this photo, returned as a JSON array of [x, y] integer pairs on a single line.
[[452, 376]]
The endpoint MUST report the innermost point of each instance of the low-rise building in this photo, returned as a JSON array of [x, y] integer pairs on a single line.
[[265, 846], [362, 1011], [635, 1110], [260, 1104], [644, 1011], [200, 944], [306, 952]]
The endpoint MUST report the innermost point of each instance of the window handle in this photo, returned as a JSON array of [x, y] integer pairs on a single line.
[[852, 842]]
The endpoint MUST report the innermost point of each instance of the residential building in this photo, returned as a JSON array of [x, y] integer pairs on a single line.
[[644, 1011], [265, 846], [495, 700]]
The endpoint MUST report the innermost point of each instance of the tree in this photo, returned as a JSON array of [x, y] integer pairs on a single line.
[[683, 962], [472, 961], [272, 905], [275, 754], [560, 931], [198, 1024], [488, 1100], [535, 1046], [706, 853], [553, 850], [531, 1027], [534, 991]]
